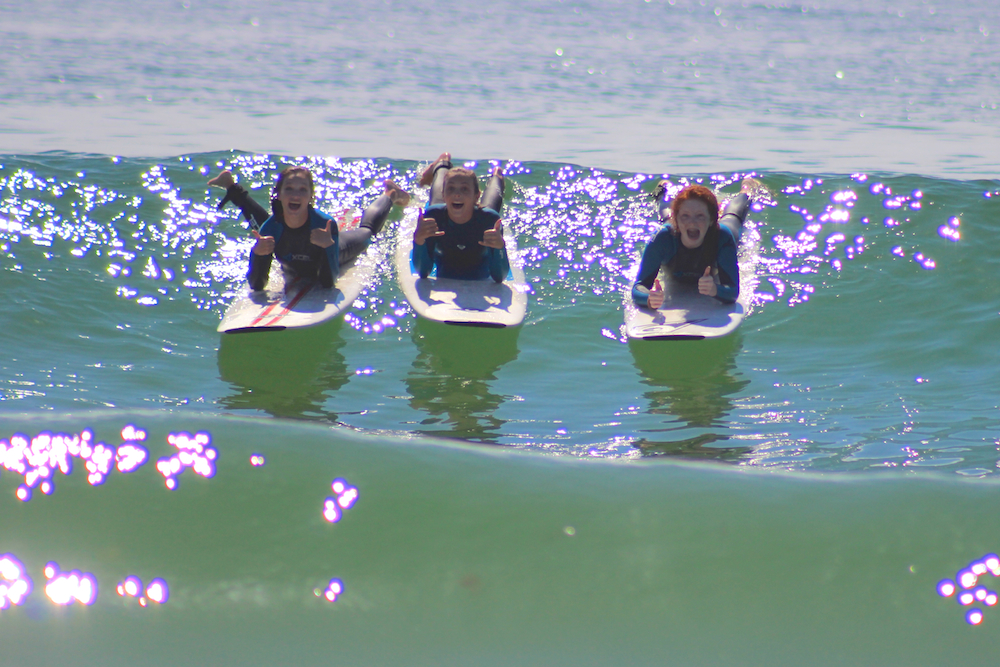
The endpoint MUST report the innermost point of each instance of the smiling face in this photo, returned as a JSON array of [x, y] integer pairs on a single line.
[[693, 221], [461, 191], [295, 195]]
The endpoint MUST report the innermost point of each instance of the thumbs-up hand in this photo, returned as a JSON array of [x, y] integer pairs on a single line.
[[426, 228], [493, 238], [706, 284], [264, 244], [322, 236], [655, 299]]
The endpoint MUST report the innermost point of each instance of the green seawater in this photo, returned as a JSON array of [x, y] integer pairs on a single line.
[[551, 494], [454, 554]]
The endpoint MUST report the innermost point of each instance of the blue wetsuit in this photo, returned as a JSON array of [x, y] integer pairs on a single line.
[[297, 254], [458, 254], [687, 265]]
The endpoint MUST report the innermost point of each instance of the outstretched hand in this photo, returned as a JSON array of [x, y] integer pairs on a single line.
[[322, 236], [264, 244], [493, 238], [426, 228], [706, 284]]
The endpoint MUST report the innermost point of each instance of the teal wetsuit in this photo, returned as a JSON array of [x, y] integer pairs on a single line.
[[687, 265], [458, 253]]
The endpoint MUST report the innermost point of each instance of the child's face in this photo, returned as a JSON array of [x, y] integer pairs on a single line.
[[460, 198], [295, 194], [692, 222]]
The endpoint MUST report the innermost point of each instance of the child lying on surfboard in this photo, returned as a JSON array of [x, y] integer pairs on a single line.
[[306, 242], [459, 237], [695, 246]]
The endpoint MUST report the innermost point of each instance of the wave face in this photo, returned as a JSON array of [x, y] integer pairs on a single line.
[[289, 543], [868, 343], [386, 491]]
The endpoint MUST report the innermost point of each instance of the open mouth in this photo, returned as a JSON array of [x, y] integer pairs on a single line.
[[693, 234], [294, 205]]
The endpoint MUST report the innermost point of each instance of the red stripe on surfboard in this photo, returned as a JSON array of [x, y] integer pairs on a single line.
[[273, 304], [291, 304]]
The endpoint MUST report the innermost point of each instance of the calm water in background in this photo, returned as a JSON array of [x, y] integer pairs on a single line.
[[870, 346]]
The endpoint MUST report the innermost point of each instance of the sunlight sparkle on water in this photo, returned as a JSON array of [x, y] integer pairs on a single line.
[[968, 579], [334, 589], [65, 588], [157, 591], [131, 587], [950, 231], [15, 584], [346, 496], [40, 457], [194, 453]]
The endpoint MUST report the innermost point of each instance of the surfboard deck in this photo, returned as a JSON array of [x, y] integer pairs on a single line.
[[482, 303], [288, 304], [684, 315]]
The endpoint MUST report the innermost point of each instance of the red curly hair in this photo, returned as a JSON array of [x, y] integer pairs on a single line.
[[700, 193]]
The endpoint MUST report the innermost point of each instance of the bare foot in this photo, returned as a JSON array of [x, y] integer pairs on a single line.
[[752, 187], [427, 177], [660, 188], [224, 180], [397, 195]]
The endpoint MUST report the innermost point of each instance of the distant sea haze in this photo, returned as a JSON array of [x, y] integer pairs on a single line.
[[637, 86]]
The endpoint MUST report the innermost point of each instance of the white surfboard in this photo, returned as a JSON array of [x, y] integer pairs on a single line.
[[297, 303], [483, 303], [684, 315]]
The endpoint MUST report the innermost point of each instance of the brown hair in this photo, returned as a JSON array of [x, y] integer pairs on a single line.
[[462, 172], [700, 193], [293, 171]]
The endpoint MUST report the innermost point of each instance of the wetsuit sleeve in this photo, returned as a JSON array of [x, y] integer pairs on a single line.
[[260, 265], [661, 249], [499, 264], [237, 194], [729, 270], [421, 258], [332, 257], [260, 269]]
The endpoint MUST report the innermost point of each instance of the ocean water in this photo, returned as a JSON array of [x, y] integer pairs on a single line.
[[382, 490]]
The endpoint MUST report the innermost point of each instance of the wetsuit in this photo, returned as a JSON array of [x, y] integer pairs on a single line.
[[458, 253], [349, 243], [298, 255], [687, 265]]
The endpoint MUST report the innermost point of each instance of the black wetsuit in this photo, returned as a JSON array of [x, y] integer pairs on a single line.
[[350, 243]]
